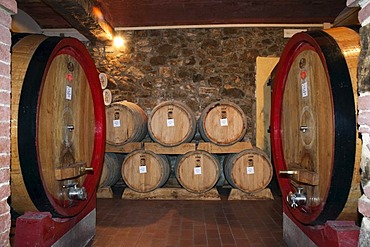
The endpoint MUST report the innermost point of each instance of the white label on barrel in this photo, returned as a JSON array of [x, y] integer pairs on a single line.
[[223, 122], [116, 123], [197, 170], [250, 170], [142, 169], [170, 122], [304, 89], [69, 93]]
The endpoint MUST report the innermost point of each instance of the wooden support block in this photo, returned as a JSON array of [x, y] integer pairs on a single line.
[[304, 176], [104, 192], [126, 148], [159, 149], [72, 171], [240, 195], [170, 194], [234, 148]]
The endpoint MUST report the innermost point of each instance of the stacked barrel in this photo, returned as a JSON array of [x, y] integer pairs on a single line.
[[172, 124], [224, 123]]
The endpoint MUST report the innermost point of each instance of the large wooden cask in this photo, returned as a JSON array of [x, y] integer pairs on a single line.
[[126, 122], [223, 123], [315, 145], [197, 171], [145, 171], [171, 123], [57, 126], [249, 170]]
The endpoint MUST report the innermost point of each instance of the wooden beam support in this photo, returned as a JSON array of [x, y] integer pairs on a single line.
[[84, 17], [301, 175]]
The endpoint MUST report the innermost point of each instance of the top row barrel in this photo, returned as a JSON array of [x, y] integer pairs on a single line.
[[172, 123]]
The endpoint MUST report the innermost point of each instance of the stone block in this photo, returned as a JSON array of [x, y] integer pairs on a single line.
[[364, 206], [364, 129], [364, 15], [9, 5], [366, 189], [352, 3], [364, 233], [364, 118], [364, 102]]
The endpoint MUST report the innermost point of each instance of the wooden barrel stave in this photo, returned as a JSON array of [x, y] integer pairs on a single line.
[[197, 171], [316, 87], [223, 123], [41, 143], [249, 170], [126, 122], [144, 171], [111, 172], [171, 123]]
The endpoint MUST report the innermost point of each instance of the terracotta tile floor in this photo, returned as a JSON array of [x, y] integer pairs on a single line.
[[188, 223]]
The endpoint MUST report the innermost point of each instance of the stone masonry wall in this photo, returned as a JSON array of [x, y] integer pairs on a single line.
[[364, 128], [195, 66], [7, 8]]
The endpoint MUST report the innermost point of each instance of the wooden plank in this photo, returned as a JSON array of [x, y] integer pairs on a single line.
[[264, 67], [159, 149], [104, 192], [170, 194], [302, 175], [213, 148], [264, 194], [130, 13], [126, 148], [85, 17], [72, 171]]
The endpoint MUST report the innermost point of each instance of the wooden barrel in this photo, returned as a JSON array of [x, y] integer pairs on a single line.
[[111, 172], [57, 126], [171, 123], [223, 123], [249, 170], [144, 171], [197, 171], [126, 122], [314, 138]]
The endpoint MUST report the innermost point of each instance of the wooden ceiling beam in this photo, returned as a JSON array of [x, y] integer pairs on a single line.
[[84, 17]]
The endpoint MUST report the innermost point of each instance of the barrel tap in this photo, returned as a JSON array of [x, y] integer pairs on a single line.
[[74, 192], [296, 199]]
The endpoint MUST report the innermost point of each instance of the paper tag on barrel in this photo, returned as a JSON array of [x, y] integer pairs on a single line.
[[223, 122], [69, 93], [304, 80], [250, 167], [197, 170], [170, 122], [116, 120], [142, 169]]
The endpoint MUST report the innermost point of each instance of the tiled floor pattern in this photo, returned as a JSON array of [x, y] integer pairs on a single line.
[[188, 223]]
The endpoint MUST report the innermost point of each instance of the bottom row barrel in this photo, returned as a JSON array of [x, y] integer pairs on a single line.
[[197, 171]]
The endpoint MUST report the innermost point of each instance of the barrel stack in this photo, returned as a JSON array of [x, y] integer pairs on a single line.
[[197, 165]]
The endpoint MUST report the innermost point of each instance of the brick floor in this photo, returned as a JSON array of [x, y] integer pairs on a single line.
[[188, 223]]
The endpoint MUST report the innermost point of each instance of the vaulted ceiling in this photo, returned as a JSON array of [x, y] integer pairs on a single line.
[[96, 18]]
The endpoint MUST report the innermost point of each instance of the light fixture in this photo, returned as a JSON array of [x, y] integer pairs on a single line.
[[118, 41]]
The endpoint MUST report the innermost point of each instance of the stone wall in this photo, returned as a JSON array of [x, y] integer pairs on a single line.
[[195, 66], [364, 129], [364, 116]]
